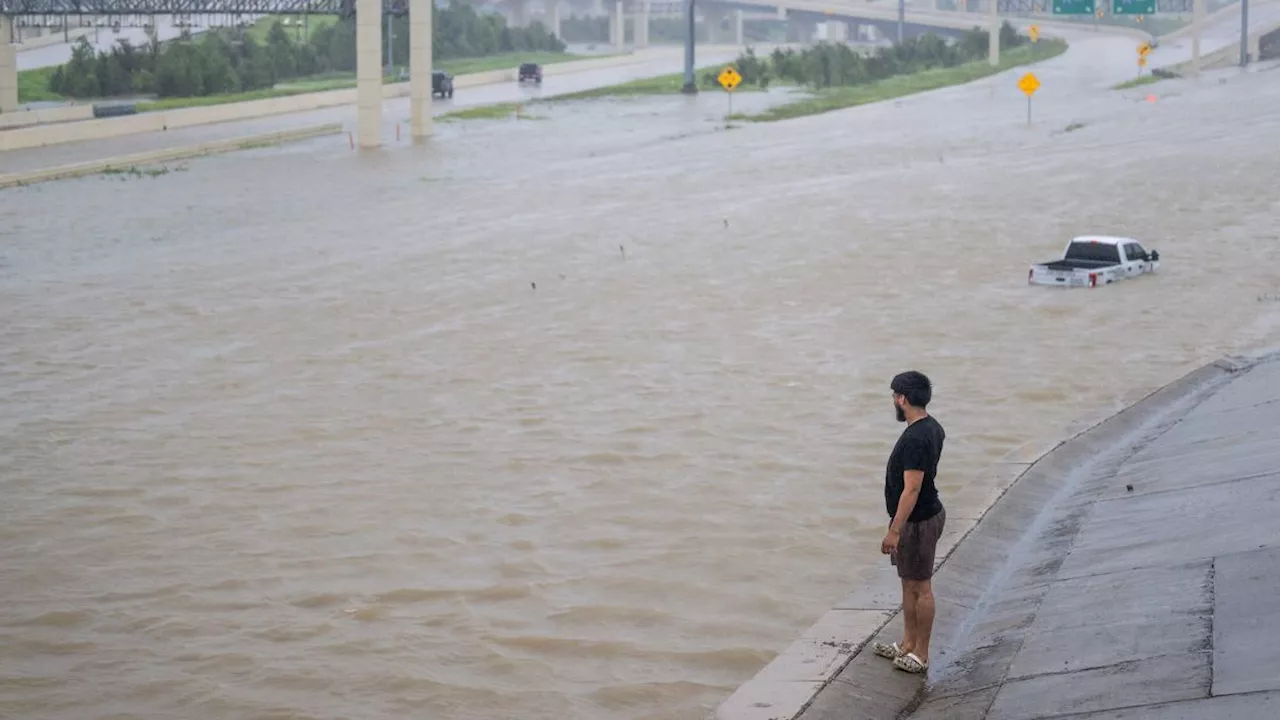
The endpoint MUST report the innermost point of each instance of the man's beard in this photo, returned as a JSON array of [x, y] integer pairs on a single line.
[[902, 416]]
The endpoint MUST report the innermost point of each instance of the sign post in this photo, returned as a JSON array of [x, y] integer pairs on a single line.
[[729, 79], [1143, 51], [1029, 84]]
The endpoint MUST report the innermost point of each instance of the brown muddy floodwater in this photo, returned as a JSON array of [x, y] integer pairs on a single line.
[[290, 434]]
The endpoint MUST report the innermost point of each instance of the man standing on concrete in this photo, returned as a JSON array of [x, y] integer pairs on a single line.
[[911, 499]]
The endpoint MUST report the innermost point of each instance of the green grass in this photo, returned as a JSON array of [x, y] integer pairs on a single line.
[[661, 85], [1137, 82], [33, 85], [498, 111], [838, 98]]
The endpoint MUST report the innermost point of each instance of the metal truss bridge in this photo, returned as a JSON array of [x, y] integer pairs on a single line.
[[35, 10]]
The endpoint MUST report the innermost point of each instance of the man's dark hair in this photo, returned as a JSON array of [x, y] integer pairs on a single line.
[[915, 386]]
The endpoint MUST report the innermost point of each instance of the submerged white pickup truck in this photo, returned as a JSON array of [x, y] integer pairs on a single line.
[[1093, 260]]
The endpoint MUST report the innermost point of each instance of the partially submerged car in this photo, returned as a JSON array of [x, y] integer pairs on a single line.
[[1093, 260]]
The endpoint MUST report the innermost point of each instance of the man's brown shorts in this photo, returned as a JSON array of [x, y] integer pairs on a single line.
[[917, 547]]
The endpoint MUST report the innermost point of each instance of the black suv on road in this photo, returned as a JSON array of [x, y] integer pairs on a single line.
[[441, 84], [530, 72]]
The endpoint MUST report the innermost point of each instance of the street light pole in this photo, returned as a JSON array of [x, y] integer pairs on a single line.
[[902, 18], [690, 85], [1244, 33]]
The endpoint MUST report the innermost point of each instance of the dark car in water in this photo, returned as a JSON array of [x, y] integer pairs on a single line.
[[441, 84], [530, 72]]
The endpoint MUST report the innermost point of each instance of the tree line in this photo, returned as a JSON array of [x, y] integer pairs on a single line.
[[832, 64], [228, 60]]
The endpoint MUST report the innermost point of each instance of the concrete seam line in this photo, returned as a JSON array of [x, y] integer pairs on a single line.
[[155, 156]]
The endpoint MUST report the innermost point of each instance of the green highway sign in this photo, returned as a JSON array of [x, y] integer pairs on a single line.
[[1133, 7], [1074, 7]]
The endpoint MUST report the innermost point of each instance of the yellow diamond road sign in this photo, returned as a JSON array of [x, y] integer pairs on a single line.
[[729, 78], [1029, 84], [1144, 49], [1033, 32]]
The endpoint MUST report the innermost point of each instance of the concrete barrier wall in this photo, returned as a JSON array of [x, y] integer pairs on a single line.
[[96, 129], [156, 156], [26, 118], [51, 39]]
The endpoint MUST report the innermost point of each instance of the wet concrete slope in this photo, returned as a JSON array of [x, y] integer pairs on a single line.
[[1128, 574]]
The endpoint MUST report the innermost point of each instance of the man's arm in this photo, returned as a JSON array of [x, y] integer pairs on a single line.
[[912, 480]]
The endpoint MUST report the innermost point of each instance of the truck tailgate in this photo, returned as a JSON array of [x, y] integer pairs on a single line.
[[1041, 275]]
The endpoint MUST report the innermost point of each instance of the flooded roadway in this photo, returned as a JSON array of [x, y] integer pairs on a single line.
[[291, 434]]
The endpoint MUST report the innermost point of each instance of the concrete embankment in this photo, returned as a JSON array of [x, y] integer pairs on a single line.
[[167, 154], [1124, 568], [29, 134]]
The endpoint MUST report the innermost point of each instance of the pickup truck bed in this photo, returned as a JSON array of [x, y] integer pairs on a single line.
[[1076, 264]]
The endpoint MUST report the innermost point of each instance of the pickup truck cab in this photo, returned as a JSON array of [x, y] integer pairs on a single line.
[[1093, 260]]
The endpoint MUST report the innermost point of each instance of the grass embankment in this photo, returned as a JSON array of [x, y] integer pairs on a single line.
[[661, 85], [838, 98], [1137, 82], [343, 81], [498, 111], [33, 85]]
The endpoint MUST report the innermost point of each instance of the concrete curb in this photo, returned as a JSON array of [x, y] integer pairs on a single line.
[[27, 118], [789, 686], [155, 156]]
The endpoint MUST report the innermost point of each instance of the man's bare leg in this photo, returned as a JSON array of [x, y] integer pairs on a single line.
[[910, 637], [922, 611]]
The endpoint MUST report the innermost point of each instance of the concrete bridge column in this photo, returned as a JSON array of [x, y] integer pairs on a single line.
[[800, 29], [552, 17], [837, 31], [716, 20], [520, 16], [617, 27], [641, 37], [369, 73], [736, 23], [8, 68], [419, 68]]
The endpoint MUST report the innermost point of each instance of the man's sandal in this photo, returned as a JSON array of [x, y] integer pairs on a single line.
[[890, 651], [911, 663]]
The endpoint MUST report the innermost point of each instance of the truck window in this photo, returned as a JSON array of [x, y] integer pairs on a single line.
[[1134, 251], [1097, 252]]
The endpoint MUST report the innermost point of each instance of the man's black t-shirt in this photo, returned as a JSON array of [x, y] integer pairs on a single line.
[[919, 448]]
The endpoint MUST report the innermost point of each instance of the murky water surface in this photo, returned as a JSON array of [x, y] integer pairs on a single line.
[[291, 433]]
